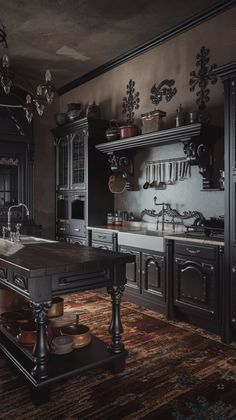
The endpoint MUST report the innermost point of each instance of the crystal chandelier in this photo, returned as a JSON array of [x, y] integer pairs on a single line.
[[44, 93]]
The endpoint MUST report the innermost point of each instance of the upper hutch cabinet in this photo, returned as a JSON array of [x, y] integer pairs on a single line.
[[82, 194], [62, 158], [228, 75]]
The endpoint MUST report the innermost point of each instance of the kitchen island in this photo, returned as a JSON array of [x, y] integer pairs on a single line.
[[42, 271]]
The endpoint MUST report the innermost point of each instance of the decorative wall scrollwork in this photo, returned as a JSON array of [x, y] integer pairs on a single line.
[[201, 78], [165, 90], [131, 101]]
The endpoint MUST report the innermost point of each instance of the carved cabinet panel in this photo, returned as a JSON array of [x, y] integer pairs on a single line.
[[194, 286], [132, 269], [153, 274]]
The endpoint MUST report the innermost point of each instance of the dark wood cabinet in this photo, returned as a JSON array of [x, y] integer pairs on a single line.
[[146, 279], [227, 73], [132, 269], [196, 285], [153, 275], [103, 240], [82, 194]]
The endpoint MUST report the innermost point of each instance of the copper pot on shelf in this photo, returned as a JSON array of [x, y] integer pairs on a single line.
[[129, 130]]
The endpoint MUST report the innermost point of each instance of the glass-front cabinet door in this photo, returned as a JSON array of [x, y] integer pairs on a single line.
[[78, 154], [62, 156]]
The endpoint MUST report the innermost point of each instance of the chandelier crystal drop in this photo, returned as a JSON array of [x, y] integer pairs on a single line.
[[44, 93]]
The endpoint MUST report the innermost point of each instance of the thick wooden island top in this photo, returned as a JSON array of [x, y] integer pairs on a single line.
[[56, 257], [41, 271]]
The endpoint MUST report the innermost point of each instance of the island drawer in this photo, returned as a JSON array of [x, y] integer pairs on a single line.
[[102, 237], [69, 282], [195, 250]]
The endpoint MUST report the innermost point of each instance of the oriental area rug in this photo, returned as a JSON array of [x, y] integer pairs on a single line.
[[173, 371]]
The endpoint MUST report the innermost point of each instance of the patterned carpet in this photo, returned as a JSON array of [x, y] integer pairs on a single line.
[[172, 372]]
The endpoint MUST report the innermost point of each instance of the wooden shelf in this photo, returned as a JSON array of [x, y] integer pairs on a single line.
[[61, 367], [156, 138]]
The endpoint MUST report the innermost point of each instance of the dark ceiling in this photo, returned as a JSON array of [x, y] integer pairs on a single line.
[[74, 37]]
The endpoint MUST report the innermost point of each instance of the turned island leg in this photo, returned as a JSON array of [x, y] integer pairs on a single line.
[[41, 349], [116, 291]]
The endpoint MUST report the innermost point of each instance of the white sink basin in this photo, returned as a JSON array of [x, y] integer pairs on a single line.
[[146, 239]]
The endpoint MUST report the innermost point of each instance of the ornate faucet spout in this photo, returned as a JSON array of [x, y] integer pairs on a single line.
[[9, 213]]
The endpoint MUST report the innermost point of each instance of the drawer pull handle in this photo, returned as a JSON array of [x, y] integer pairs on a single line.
[[63, 229], [193, 251], [101, 236], [76, 230]]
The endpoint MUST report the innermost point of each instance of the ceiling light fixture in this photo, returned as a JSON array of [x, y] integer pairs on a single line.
[[44, 92]]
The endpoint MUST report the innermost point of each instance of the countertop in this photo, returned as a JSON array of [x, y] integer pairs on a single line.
[[200, 240], [50, 258], [139, 226]]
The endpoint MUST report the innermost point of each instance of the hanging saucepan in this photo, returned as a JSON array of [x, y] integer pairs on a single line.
[[117, 183]]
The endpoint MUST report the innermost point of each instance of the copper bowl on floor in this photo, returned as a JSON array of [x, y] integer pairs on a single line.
[[80, 333], [57, 308]]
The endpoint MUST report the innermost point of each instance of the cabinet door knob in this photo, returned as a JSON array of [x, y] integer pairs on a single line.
[[234, 270]]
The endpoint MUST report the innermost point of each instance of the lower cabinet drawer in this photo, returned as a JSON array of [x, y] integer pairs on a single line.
[[199, 251], [102, 237], [108, 247]]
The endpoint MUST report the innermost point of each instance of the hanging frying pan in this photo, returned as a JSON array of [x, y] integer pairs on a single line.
[[117, 183]]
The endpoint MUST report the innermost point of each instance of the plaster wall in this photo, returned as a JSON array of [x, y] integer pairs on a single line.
[[44, 171], [173, 59]]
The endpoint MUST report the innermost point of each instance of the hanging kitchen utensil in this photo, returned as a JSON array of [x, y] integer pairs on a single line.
[[117, 183], [170, 171], [161, 184], [182, 171], [173, 174], [186, 169], [153, 183], [146, 185]]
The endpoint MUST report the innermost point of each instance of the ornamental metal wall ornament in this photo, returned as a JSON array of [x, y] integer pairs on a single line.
[[164, 89], [202, 77], [130, 102]]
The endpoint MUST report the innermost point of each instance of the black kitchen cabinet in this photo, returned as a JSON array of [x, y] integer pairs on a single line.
[[132, 269], [82, 194], [103, 240], [227, 73], [153, 276], [146, 279], [197, 285]]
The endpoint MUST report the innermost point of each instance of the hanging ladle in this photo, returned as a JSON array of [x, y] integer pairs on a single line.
[[146, 185], [153, 183]]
